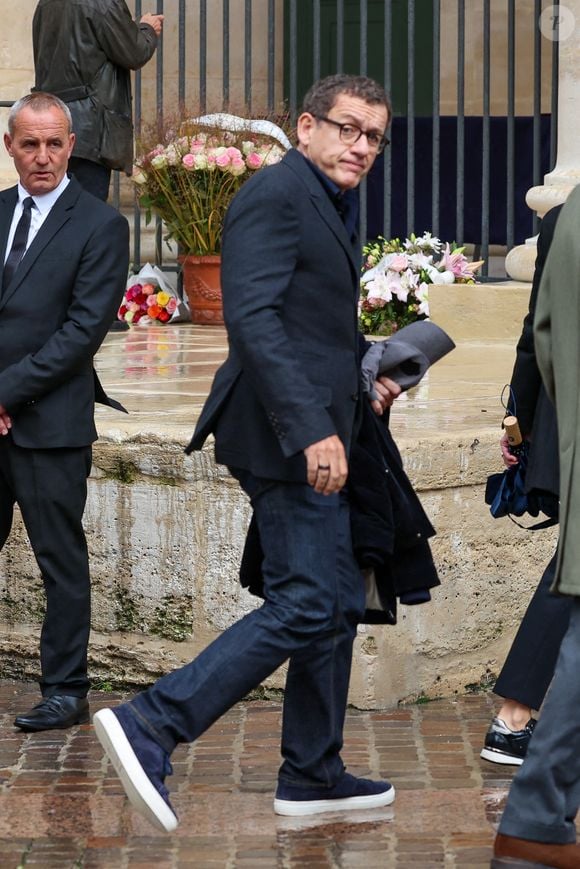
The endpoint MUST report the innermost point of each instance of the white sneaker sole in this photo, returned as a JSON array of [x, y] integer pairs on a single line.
[[498, 757], [295, 808], [142, 794]]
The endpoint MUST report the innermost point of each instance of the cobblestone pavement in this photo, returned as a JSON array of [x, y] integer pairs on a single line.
[[61, 805]]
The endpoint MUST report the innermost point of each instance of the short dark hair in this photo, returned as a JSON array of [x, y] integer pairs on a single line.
[[38, 101], [322, 95]]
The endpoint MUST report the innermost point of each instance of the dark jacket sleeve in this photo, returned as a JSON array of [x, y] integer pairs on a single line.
[[126, 43], [526, 380]]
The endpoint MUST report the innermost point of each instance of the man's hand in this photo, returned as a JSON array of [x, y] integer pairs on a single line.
[[326, 465], [154, 21], [508, 458], [5, 421], [387, 390]]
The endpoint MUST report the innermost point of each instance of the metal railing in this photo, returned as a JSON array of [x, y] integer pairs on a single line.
[[457, 166]]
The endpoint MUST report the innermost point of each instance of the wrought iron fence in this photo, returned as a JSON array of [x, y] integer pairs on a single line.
[[474, 88]]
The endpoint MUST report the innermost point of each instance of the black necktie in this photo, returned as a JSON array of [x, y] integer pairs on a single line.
[[18, 248]]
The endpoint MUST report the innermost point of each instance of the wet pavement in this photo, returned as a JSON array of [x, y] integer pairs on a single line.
[[162, 374], [62, 806]]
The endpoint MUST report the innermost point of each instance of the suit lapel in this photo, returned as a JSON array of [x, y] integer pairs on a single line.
[[59, 214], [8, 200], [322, 203]]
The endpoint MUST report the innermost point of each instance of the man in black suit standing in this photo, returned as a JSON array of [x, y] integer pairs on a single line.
[[283, 409], [66, 257]]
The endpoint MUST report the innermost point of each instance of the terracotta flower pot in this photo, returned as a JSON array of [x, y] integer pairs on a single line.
[[201, 282]]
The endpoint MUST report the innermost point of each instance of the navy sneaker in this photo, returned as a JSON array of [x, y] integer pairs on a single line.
[[349, 793], [503, 745], [140, 762]]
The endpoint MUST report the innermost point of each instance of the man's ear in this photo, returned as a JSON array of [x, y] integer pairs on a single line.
[[304, 127], [71, 143], [8, 143]]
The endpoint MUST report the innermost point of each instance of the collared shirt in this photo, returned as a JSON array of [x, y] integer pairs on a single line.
[[345, 201], [43, 203]]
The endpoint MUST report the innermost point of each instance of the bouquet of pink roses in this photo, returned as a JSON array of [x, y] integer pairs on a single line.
[[190, 180]]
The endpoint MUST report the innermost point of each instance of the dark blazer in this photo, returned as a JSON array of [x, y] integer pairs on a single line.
[[54, 315], [290, 286], [533, 408]]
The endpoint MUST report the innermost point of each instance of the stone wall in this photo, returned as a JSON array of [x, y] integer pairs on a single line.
[[165, 533]]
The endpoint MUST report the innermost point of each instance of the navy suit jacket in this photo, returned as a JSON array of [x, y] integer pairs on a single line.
[[54, 315], [290, 279]]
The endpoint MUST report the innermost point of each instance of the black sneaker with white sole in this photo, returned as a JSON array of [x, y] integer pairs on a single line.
[[506, 746]]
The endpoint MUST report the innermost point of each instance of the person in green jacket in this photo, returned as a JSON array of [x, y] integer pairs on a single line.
[[537, 827]]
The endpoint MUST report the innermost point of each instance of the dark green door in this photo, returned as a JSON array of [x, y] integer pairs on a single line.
[[382, 49]]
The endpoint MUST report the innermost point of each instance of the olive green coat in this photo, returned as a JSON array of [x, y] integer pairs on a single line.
[[557, 340]]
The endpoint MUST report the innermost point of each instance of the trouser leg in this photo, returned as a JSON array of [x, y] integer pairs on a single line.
[[51, 489], [545, 793], [318, 678], [7, 497], [529, 666]]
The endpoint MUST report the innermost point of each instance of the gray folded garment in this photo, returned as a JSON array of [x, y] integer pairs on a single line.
[[405, 356]]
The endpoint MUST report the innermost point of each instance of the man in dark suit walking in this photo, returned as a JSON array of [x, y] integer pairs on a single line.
[[283, 409], [66, 257]]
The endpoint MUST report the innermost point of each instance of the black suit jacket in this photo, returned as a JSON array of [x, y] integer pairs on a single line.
[[54, 315], [290, 288], [535, 412]]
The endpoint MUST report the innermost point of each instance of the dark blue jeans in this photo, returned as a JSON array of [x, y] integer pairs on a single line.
[[314, 599]]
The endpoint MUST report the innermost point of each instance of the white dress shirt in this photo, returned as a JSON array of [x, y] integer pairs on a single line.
[[39, 212]]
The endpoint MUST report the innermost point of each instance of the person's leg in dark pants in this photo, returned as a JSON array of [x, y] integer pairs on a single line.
[[7, 498], [93, 177], [529, 666], [50, 487], [308, 685]]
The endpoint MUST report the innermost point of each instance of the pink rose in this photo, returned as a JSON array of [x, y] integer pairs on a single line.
[[188, 161], [399, 263], [238, 166], [223, 160], [254, 160]]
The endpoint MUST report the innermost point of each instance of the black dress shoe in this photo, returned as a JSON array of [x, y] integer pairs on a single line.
[[55, 713]]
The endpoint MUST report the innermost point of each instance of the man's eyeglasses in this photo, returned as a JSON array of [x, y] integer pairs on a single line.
[[350, 133]]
